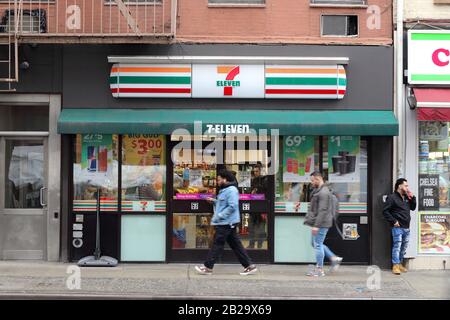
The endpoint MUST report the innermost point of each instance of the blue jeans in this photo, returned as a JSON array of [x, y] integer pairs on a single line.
[[400, 239], [321, 250]]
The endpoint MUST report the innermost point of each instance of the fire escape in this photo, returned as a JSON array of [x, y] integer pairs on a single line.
[[79, 21]]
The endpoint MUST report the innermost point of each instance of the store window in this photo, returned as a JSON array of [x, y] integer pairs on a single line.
[[343, 161], [434, 186], [345, 168], [193, 180], [95, 168], [143, 172], [192, 231], [299, 157]]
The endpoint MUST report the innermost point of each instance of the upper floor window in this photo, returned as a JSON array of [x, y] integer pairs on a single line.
[[236, 1], [133, 2], [344, 2], [339, 25]]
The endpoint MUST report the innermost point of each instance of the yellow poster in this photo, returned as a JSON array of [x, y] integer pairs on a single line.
[[143, 149]]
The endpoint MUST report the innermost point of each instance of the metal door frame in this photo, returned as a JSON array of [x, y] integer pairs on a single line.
[[194, 255], [53, 164], [22, 211]]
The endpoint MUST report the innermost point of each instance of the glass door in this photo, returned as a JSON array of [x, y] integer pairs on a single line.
[[23, 198], [250, 162], [194, 181]]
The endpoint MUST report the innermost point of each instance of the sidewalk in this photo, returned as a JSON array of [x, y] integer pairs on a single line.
[[180, 281]]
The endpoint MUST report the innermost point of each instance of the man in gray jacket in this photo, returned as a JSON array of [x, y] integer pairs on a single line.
[[320, 218]]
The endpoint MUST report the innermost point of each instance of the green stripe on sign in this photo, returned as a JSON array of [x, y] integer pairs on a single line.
[[151, 80], [305, 81], [430, 36], [430, 77]]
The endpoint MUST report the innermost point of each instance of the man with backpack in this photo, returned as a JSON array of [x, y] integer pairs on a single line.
[[320, 218]]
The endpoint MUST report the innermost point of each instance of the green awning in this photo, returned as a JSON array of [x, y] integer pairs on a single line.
[[288, 122]]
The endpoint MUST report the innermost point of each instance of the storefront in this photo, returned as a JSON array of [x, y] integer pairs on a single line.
[[307, 114], [428, 121]]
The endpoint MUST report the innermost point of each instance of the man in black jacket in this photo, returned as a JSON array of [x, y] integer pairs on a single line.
[[397, 211]]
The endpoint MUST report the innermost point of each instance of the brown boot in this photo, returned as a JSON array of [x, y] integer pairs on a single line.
[[396, 269], [402, 268]]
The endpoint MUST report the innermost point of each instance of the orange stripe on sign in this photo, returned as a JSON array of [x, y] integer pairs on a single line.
[[225, 69], [152, 69], [295, 70]]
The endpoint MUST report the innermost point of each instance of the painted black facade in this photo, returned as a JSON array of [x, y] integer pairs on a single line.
[[80, 73]]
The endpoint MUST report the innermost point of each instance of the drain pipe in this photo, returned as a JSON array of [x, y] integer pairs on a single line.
[[399, 147]]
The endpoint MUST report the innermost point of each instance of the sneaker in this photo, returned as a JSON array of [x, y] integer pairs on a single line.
[[203, 270], [335, 263], [249, 270], [316, 273]]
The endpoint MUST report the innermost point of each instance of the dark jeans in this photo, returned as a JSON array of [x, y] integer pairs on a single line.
[[228, 234]]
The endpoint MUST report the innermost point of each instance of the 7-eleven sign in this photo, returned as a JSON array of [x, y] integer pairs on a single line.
[[227, 81]]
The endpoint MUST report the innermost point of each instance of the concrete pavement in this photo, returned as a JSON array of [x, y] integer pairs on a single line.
[[25, 279]]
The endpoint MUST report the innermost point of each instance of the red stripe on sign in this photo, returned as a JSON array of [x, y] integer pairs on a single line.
[[303, 91], [151, 90]]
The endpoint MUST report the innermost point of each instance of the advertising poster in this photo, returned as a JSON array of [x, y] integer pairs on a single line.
[[350, 231], [434, 230], [143, 172], [244, 179], [96, 158], [429, 192], [298, 158], [195, 178], [343, 158], [143, 150]]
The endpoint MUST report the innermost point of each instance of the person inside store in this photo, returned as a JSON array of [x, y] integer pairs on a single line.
[[257, 221], [397, 212], [226, 218]]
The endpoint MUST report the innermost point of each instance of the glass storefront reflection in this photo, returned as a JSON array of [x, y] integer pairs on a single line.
[[25, 173], [194, 231]]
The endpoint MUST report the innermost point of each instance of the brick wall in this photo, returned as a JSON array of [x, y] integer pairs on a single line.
[[289, 21], [420, 9]]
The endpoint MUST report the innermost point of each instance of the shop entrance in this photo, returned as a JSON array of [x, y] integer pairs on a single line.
[[23, 200], [191, 182]]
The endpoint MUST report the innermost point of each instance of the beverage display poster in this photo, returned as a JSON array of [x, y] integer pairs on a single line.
[[343, 158], [96, 156], [298, 158]]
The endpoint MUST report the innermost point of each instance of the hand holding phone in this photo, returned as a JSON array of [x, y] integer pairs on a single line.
[[409, 194]]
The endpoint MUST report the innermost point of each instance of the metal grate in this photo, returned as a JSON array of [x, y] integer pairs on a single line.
[[90, 17]]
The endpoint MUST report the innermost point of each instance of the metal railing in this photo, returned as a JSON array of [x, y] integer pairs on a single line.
[[88, 18]]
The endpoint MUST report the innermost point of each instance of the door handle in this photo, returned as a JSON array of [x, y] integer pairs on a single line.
[[41, 196]]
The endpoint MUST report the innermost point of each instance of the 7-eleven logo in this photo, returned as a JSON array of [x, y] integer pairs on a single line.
[[229, 83]]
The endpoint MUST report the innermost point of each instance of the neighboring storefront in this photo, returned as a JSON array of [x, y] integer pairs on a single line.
[[428, 139], [123, 138]]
